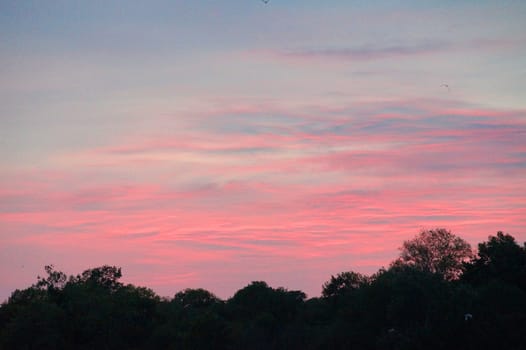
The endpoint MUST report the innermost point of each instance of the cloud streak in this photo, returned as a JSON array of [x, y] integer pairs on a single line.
[[364, 52]]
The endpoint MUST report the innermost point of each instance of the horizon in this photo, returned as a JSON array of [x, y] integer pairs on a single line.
[[379, 270], [209, 145]]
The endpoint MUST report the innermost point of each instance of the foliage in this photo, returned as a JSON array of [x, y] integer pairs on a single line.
[[195, 298], [344, 283], [436, 251], [501, 259]]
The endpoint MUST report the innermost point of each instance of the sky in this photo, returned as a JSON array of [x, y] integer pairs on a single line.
[[214, 143]]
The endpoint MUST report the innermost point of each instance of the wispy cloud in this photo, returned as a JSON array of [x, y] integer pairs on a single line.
[[364, 52], [336, 185], [374, 52]]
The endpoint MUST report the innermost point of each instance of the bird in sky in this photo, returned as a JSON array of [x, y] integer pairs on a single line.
[[446, 86], [265, 1]]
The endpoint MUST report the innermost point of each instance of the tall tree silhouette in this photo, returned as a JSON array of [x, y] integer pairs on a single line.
[[437, 251], [501, 259]]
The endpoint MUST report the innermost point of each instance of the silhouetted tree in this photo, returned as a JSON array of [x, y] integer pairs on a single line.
[[55, 280], [500, 258], [437, 251], [195, 298], [263, 316], [343, 283], [408, 308], [106, 277], [193, 319], [498, 276]]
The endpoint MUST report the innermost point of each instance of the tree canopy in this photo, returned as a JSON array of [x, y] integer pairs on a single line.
[[344, 283], [436, 251], [501, 258]]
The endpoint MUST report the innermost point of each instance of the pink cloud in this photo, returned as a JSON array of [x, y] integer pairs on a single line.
[[330, 191]]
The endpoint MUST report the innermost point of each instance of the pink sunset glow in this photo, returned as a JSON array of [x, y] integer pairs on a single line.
[[263, 161]]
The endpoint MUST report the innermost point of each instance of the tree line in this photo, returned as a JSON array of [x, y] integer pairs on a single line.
[[439, 294]]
